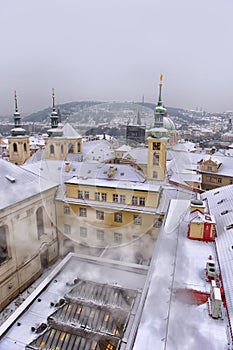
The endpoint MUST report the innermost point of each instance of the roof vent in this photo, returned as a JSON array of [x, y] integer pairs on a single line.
[[10, 178]]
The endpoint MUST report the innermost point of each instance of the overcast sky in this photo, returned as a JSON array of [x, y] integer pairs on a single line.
[[115, 50]]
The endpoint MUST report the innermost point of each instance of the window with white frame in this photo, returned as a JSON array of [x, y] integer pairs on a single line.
[[117, 237], [122, 199], [134, 200], [137, 220], [80, 194], [97, 196], [86, 194], [142, 201], [66, 209], [118, 217], [100, 235], [99, 215], [83, 232], [115, 198], [82, 211], [67, 229], [104, 197]]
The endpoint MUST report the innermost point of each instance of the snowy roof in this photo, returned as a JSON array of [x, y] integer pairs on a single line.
[[115, 184], [139, 154], [123, 148], [98, 150], [198, 217], [220, 203], [18, 184], [185, 146], [121, 288], [169, 320], [69, 131], [121, 173]]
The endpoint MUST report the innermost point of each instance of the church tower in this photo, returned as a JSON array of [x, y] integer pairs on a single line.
[[63, 142], [159, 112], [19, 148], [157, 142]]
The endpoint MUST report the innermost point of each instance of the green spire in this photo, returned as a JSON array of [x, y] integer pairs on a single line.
[[17, 130]]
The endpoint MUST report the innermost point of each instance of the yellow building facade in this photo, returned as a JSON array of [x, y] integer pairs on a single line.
[[102, 215]]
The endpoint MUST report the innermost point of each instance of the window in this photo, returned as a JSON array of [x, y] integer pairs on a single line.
[[137, 220], [82, 211], [83, 232], [70, 148], [155, 175], [156, 146], [142, 201], [134, 200], [86, 195], [80, 194], [62, 149], [122, 199], [66, 209], [118, 217], [209, 168], [155, 158], [104, 197], [219, 180], [100, 235], [231, 182], [51, 149], [79, 147], [97, 196], [67, 229], [208, 178], [115, 198], [99, 215], [117, 237], [39, 222], [15, 147], [25, 147], [3, 244]]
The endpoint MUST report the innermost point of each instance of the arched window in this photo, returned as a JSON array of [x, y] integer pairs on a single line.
[[79, 147], [156, 158], [70, 148], [62, 149], [3, 244], [39, 222], [51, 149], [25, 147], [15, 149]]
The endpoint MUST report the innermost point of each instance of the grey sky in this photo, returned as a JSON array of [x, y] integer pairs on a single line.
[[116, 50]]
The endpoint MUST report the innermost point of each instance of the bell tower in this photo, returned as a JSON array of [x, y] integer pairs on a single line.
[[157, 154], [19, 148]]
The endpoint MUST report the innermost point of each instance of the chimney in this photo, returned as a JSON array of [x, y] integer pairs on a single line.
[[111, 172], [67, 168]]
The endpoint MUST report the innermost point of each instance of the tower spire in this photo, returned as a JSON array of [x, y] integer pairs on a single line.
[[16, 102], [17, 130], [53, 99], [54, 116], [160, 102]]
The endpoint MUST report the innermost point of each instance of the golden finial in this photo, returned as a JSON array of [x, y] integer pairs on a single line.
[[161, 79]]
